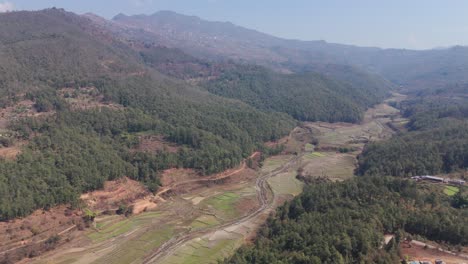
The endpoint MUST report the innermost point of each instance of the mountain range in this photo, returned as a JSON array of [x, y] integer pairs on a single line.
[[226, 41]]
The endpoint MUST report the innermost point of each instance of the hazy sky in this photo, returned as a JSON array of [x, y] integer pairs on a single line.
[[414, 24]]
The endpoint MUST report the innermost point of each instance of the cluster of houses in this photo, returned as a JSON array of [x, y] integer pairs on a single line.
[[439, 179]]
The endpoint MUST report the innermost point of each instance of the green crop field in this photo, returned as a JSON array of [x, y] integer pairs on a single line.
[[309, 147], [204, 221], [132, 250], [205, 250], [315, 155], [111, 230], [286, 183], [224, 203], [451, 190]]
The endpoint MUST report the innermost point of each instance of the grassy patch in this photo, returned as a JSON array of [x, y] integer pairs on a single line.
[[451, 190], [205, 251], [315, 155], [135, 249], [204, 221], [318, 154], [293, 145], [146, 216], [111, 230], [286, 183], [224, 203], [309, 147], [333, 166], [273, 163]]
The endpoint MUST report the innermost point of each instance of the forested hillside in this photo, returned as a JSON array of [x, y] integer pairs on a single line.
[[437, 140], [68, 145], [344, 222], [326, 92], [76, 150], [306, 97], [50, 46]]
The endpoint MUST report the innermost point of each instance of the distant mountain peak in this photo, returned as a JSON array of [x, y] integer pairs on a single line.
[[167, 12], [119, 16]]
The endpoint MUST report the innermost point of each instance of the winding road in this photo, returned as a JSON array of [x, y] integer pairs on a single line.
[[263, 191]]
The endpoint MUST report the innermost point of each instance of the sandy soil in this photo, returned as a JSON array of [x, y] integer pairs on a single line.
[[143, 205], [173, 176], [28, 236], [115, 193], [10, 153]]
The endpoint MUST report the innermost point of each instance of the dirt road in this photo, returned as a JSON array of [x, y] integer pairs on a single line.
[[265, 196], [428, 246]]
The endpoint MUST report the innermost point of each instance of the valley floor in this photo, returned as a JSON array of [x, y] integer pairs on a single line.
[[202, 220]]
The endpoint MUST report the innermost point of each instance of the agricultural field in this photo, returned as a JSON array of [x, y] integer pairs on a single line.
[[206, 249], [275, 162], [332, 136], [227, 205], [451, 190], [331, 165], [118, 239], [205, 221], [222, 242], [286, 184], [315, 154], [114, 240]]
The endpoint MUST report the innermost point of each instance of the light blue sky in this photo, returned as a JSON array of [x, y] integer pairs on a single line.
[[414, 24]]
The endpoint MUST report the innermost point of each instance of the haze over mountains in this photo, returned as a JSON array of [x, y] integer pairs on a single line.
[[223, 40]]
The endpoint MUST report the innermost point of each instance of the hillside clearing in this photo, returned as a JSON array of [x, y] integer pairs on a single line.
[[451, 190]]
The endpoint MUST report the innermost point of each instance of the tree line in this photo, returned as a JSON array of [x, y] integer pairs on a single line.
[[344, 222], [436, 141], [305, 96]]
